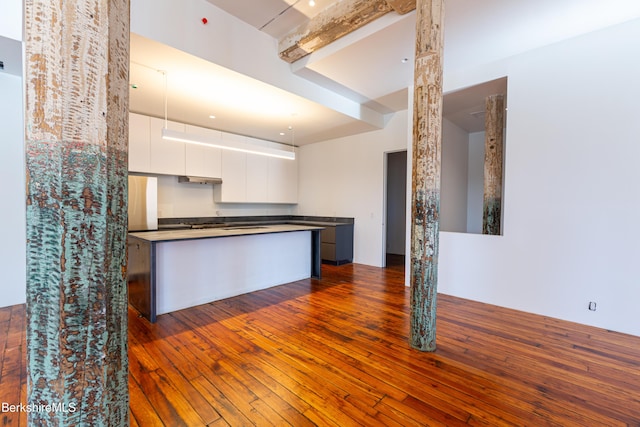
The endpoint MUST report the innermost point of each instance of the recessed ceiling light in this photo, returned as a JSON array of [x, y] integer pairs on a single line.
[[312, 3], [282, 134], [405, 60], [212, 116]]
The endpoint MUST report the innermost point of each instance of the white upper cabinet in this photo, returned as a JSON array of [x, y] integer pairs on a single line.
[[246, 177], [234, 178], [282, 180], [254, 178], [167, 157], [257, 179], [201, 160], [139, 149]]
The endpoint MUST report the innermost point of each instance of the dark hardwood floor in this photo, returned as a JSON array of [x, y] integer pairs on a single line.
[[395, 261], [13, 363], [334, 352]]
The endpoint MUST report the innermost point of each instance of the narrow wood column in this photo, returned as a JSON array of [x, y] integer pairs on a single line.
[[425, 204], [493, 149], [77, 59]]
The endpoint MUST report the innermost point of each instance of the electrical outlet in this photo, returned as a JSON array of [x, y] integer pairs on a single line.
[[592, 305]]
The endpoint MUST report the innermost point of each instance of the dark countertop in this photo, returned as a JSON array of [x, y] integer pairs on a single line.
[[229, 230], [185, 223], [316, 223]]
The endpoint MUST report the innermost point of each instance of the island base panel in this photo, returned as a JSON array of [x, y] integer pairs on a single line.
[[193, 272]]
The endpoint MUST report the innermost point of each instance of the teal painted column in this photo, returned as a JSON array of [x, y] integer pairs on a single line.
[[76, 82], [425, 203]]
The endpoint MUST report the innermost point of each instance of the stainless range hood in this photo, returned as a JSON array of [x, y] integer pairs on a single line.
[[199, 180]]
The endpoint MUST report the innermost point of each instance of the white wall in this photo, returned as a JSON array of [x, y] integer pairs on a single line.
[[13, 247], [453, 178], [572, 186], [475, 183], [176, 200], [11, 19], [345, 177]]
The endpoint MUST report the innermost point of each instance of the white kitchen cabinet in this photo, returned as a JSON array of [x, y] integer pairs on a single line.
[[139, 148], [253, 178], [257, 178], [201, 160], [166, 157], [234, 178], [246, 177], [282, 180]]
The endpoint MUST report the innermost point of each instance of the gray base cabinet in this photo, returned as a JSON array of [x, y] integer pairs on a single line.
[[336, 244]]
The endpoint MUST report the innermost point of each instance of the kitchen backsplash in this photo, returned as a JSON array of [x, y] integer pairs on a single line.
[[177, 200]]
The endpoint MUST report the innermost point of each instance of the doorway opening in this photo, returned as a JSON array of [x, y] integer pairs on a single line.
[[396, 209]]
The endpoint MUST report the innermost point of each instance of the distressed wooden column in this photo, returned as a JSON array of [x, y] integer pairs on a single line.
[[76, 78], [427, 140], [493, 149]]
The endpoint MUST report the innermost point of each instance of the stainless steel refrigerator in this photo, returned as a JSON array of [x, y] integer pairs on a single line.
[[143, 203]]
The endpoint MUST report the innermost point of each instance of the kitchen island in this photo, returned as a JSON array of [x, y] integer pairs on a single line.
[[175, 269]]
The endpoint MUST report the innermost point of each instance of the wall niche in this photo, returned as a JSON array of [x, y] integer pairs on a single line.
[[462, 203]]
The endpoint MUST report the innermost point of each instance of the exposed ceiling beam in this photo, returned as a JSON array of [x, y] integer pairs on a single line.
[[402, 6], [335, 21]]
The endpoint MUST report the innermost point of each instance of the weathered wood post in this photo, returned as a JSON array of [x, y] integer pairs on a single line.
[[76, 78], [425, 204], [493, 149]]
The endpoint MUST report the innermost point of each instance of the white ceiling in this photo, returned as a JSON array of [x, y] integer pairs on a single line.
[[196, 89], [365, 66], [274, 17]]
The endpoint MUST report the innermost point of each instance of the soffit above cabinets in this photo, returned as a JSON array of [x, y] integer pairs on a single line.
[[195, 89]]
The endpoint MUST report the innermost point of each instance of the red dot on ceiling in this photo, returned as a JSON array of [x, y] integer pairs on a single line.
[[205, 20]]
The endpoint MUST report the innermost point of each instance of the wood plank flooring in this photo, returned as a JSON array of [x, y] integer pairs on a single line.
[[334, 352], [13, 363]]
